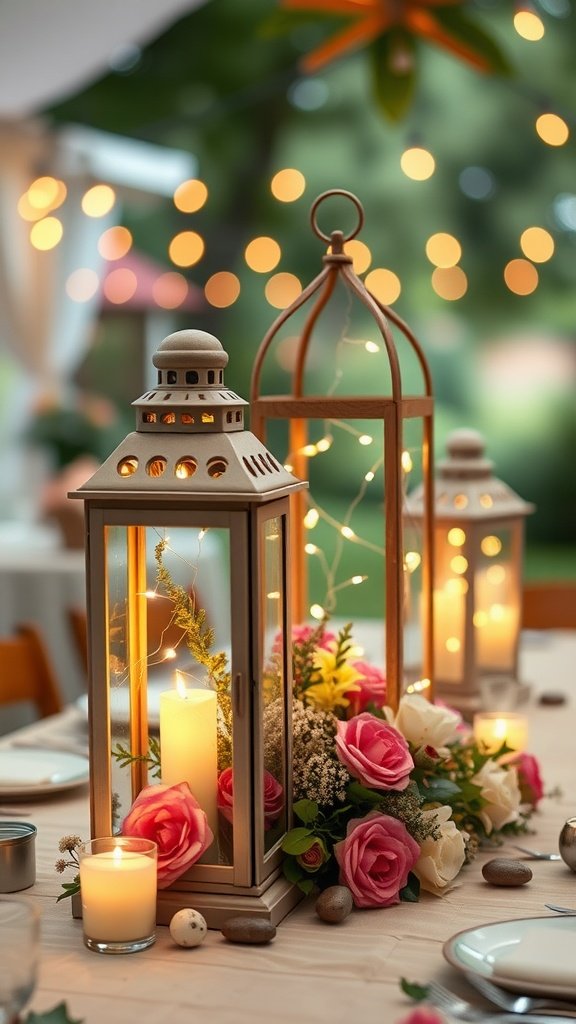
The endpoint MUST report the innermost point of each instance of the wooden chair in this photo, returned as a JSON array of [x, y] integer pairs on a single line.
[[548, 605], [161, 631], [77, 623], [26, 673]]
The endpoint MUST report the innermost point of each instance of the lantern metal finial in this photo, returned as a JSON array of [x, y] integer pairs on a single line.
[[466, 466]]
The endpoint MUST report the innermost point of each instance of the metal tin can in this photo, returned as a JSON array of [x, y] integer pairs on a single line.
[[17, 855]]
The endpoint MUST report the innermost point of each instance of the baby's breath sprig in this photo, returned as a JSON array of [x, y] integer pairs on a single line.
[[69, 845]]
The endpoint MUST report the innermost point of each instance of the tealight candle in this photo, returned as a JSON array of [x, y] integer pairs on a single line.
[[118, 882], [493, 728]]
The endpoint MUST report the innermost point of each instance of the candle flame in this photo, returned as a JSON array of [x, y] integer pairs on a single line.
[[500, 729], [180, 684], [117, 854]]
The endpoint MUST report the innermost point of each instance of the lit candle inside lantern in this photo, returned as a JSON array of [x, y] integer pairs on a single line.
[[188, 744], [493, 728], [118, 890]]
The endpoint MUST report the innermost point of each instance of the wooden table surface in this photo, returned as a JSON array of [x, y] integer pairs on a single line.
[[312, 972]]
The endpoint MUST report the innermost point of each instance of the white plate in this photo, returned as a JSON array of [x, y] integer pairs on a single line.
[[26, 773], [477, 950]]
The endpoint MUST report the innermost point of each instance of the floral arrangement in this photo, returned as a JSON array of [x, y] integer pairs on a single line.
[[388, 803]]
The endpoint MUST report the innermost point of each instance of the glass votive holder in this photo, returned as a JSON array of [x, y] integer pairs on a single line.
[[118, 884], [499, 693], [493, 728], [19, 954]]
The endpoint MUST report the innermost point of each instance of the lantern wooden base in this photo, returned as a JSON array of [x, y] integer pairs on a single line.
[[216, 907]]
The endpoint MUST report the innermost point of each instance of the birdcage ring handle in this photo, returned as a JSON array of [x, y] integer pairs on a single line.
[[327, 195]]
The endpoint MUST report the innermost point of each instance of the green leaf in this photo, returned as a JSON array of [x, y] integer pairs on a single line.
[[359, 794], [393, 58], [411, 891], [70, 889], [441, 791], [292, 871], [469, 32], [58, 1015], [306, 810], [414, 990], [298, 840], [306, 886]]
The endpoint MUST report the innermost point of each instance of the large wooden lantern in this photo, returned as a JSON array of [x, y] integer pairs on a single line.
[[388, 433], [188, 622], [478, 547]]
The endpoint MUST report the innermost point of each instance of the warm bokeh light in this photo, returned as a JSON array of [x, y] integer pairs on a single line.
[[406, 461], [459, 564], [552, 129], [282, 289], [190, 195], [46, 193], [186, 248], [529, 26], [114, 243], [461, 501], [26, 211], [360, 253], [496, 575], [120, 285], [449, 283], [46, 233], [82, 284], [456, 585], [384, 285], [443, 250], [262, 254], [537, 244], [222, 289], [311, 518], [491, 545], [98, 200], [288, 185], [417, 163], [412, 560], [456, 537], [170, 290], [521, 277]]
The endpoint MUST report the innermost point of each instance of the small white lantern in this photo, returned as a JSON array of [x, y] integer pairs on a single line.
[[478, 555]]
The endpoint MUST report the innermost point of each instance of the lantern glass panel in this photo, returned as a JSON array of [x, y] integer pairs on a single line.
[[496, 608], [451, 587], [274, 683], [164, 702], [413, 543]]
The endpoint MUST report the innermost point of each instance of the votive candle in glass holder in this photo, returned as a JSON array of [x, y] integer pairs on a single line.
[[118, 884], [493, 728]]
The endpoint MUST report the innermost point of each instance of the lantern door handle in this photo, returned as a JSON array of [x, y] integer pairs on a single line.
[[238, 695]]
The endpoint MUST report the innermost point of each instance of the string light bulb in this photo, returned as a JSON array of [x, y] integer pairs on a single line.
[[311, 518], [317, 611]]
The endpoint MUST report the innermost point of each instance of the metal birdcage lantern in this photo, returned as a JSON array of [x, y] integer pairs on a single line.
[[400, 423], [478, 556], [187, 527]]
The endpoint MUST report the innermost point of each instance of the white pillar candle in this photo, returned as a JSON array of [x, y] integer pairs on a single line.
[[449, 634], [188, 745], [493, 728], [118, 890]]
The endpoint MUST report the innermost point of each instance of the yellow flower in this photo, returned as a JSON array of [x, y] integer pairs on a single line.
[[334, 682]]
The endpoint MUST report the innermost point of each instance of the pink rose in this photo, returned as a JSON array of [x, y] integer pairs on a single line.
[[301, 634], [173, 818], [372, 685], [375, 859], [273, 797], [314, 857], [423, 1015], [529, 779], [374, 752]]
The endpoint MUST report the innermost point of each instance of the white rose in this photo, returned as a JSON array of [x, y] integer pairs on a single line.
[[440, 859], [423, 723], [501, 791]]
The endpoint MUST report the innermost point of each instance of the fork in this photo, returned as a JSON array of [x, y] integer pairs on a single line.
[[515, 1003], [536, 854], [568, 911], [453, 1006]]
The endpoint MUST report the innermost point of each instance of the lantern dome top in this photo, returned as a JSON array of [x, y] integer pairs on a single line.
[[189, 349], [190, 439], [466, 488]]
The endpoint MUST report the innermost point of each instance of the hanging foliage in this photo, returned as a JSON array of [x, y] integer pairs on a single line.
[[391, 30]]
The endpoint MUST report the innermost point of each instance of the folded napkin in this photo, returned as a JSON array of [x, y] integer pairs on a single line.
[[544, 954]]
